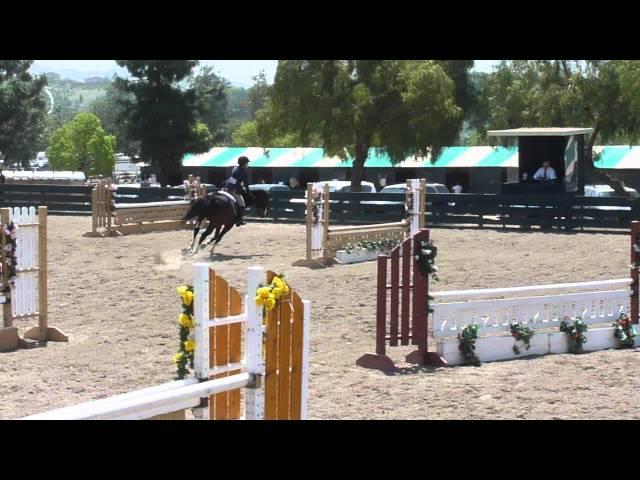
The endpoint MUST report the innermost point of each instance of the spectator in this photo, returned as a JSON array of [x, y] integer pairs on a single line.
[[191, 187], [2, 177], [457, 188]]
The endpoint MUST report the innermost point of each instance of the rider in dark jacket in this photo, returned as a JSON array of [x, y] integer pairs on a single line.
[[236, 184]]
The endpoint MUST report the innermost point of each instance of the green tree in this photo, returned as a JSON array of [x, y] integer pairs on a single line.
[[562, 93], [63, 112], [246, 135], [401, 107], [160, 114], [83, 145], [22, 111], [258, 94], [108, 108], [238, 106], [212, 103]]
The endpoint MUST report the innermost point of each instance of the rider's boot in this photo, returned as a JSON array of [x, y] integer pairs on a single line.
[[240, 218]]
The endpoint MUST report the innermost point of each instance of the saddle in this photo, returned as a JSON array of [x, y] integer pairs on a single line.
[[232, 199]]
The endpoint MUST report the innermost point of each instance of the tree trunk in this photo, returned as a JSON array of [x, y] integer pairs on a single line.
[[357, 171], [168, 172], [597, 173]]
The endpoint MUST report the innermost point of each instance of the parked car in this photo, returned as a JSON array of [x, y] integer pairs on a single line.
[[344, 186], [270, 187], [339, 186], [600, 191], [607, 191], [401, 188], [603, 191]]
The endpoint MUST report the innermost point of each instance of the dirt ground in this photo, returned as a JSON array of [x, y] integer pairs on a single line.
[[116, 299]]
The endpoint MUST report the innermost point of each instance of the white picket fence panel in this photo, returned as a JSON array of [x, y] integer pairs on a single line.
[[542, 311], [24, 295]]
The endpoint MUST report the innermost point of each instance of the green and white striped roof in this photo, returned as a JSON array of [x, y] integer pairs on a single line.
[[611, 157], [618, 157], [315, 157]]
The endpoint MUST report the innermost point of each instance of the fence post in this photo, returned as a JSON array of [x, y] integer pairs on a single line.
[[325, 223], [42, 274], [422, 203], [379, 360], [6, 308], [635, 258], [306, 332], [420, 325], [201, 360], [381, 310], [309, 220], [420, 291], [94, 209], [254, 394], [9, 339]]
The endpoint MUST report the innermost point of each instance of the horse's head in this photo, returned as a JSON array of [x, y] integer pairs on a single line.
[[259, 199]]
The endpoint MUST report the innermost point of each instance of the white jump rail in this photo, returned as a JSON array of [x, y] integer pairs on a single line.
[[194, 392], [170, 203], [596, 302]]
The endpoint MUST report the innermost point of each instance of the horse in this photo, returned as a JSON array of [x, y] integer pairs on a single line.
[[220, 211]]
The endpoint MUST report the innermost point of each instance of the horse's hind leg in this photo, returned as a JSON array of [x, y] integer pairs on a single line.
[[220, 235], [204, 235], [213, 237]]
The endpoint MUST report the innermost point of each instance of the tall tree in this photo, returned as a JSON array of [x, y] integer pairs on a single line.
[[563, 93], [83, 145], [212, 102], [22, 111], [108, 108], [258, 94], [160, 114], [400, 107], [248, 135]]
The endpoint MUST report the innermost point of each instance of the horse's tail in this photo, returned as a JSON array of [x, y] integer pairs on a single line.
[[197, 209]]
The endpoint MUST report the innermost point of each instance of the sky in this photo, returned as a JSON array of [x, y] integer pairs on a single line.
[[238, 72]]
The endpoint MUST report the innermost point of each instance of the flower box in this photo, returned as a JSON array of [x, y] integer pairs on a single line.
[[359, 255]]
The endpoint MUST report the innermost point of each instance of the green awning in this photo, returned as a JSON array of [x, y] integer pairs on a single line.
[[610, 157], [316, 158]]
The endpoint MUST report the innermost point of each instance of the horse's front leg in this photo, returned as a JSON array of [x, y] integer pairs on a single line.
[[196, 229]]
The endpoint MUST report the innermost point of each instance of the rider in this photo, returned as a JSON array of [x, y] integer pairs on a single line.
[[236, 184]]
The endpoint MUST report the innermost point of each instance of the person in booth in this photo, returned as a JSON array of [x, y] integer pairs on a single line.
[[545, 173]]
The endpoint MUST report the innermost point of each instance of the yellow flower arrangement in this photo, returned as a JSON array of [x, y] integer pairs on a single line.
[[189, 346], [187, 298], [184, 357], [184, 320], [268, 296], [185, 294]]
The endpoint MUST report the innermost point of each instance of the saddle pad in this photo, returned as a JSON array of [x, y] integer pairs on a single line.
[[231, 197]]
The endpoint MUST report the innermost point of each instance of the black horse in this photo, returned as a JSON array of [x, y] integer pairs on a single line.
[[219, 209]]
